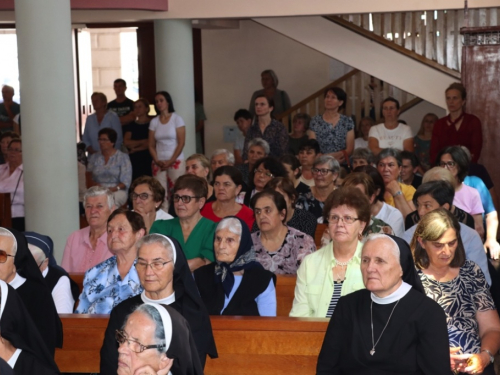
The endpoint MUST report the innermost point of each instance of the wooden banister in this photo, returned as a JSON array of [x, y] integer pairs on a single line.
[[412, 103]]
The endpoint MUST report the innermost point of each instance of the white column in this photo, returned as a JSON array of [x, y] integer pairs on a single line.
[[48, 118], [175, 72]]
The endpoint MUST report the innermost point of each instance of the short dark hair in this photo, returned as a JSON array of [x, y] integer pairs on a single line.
[[411, 157], [292, 161], [310, 144], [153, 184], [198, 185], [120, 80], [136, 221], [441, 191], [304, 117], [286, 185], [339, 93], [431, 228], [111, 133], [377, 179], [391, 99], [272, 164], [276, 197], [231, 171], [101, 95], [459, 87], [15, 140], [459, 156], [270, 101], [350, 197], [243, 113], [143, 101], [9, 134], [168, 98], [361, 178], [390, 152], [363, 153]]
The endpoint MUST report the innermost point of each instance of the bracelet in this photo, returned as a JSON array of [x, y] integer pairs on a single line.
[[492, 358], [397, 194]]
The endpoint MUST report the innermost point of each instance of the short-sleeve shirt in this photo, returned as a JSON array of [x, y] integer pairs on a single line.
[[407, 191], [117, 169], [123, 108], [331, 139], [469, 200], [166, 136], [393, 138]]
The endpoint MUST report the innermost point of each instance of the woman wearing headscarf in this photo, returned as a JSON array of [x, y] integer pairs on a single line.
[[30, 286], [173, 285], [155, 339], [236, 284], [21, 344]]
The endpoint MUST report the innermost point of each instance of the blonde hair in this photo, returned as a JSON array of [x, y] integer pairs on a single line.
[[439, 174]]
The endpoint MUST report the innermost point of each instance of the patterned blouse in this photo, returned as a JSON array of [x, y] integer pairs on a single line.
[[461, 299], [307, 202], [331, 139], [103, 288], [275, 134], [285, 260], [117, 169], [301, 220]]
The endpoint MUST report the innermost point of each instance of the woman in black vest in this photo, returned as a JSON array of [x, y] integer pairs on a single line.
[[241, 286]]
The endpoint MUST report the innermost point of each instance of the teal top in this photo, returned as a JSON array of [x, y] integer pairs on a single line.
[[200, 243]]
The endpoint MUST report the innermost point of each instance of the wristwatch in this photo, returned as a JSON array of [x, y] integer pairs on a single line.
[[492, 358], [397, 194]]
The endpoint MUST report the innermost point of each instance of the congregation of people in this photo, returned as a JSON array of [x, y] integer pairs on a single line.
[[407, 226]]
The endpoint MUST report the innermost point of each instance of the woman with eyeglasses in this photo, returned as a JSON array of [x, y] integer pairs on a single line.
[[236, 284], [325, 171], [264, 171], [147, 194], [278, 247], [228, 182], [334, 270], [12, 181], [194, 232]]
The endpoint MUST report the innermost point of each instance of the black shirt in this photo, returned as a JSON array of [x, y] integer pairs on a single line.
[[123, 108]]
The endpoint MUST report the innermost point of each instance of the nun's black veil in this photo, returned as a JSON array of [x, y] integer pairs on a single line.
[[410, 275]]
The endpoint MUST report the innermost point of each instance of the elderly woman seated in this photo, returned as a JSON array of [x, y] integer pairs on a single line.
[[362, 156], [194, 232], [236, 284], [387, 328], [165, 276], [278, 247], [147, 195], [115, 279], [459, 287], [156, 340]]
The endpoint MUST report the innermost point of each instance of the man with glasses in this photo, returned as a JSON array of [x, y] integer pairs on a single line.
[[157, 257]]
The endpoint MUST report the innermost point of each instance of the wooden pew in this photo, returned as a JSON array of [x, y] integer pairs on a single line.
[[246, 345], [5, 211], [320, 229], [285, 287]]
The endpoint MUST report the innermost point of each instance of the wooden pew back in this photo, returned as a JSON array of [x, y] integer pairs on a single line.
[[246, 345], [5, 211]]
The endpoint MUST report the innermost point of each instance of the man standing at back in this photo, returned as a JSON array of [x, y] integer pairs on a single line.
[[122, 106], [8, 108]]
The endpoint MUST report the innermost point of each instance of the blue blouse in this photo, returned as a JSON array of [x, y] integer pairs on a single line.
[[478, 184], [103, 288], [117, 169]]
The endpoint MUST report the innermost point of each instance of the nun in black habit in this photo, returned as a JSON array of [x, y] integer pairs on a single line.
[[35, 294], [21, 338], [186, 300]]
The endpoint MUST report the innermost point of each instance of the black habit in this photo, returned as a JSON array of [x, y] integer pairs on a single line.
[[415, 341], [187, 302]]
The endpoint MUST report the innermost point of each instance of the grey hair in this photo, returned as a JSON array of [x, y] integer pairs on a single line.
[[392, 244], [155, 317], [156, 239], [230, 223], [273, 76], [7, 233], [439, 174], [96, 191], [390, 152], [261, 143], [467, 152], [37, 253], [229, 155], [333, 164], [363, 153]]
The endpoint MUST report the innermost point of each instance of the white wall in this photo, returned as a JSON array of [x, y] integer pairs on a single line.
[[233, 60]]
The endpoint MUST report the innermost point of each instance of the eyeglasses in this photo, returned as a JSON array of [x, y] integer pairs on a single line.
[[183, 198], [260, 171], [447, 164], [142, 196], [42, 262], [334, 219], [322, 172], [155, 266], [134, 345], [15, 150], [4, 256], [103, 139]]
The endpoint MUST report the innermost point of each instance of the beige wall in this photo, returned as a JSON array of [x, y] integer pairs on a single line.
[[414, 115], [233, 60]]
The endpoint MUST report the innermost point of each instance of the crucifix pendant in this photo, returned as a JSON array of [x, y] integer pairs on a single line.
[[372, 352]]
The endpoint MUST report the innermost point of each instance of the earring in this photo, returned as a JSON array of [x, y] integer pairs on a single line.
[[360, 236]]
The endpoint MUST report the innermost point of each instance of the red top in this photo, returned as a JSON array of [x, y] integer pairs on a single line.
[[245, 214], [469, 134]]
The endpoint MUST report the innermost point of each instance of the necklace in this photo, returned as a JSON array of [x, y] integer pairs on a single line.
[[342, 265], [374, 344]]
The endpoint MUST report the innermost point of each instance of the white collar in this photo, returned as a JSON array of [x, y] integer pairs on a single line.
[[4, 294], [164, 301], [17, 281], [45, 272], [12, 360], [399, 293]]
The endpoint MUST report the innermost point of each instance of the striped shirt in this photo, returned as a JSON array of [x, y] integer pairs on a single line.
[[337, 287]]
